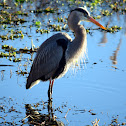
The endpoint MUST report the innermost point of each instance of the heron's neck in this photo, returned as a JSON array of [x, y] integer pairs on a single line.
[[80, 32], [77, 47], [75, 26]]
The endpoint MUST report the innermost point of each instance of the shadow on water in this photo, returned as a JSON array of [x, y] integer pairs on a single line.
[[36, 118]]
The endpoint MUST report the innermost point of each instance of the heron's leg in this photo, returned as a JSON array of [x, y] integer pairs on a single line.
[[50, 110], [50, 90], [52, 86], [51, 82]]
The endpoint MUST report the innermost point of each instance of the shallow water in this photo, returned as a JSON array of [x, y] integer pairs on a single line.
[[95, 90]]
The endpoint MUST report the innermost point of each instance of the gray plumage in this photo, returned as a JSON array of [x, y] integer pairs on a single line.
[[57, 53], [47, 59]]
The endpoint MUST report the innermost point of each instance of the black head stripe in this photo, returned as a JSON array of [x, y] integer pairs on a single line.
[[80, 10]]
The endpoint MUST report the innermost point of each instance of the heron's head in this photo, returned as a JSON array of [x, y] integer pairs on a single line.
[[82, 14]]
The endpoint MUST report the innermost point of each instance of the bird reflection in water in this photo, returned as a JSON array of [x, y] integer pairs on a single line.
[[104, 39], [36, 118], [114, 57]]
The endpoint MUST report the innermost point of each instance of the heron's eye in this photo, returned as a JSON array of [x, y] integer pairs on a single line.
[[85, 13]]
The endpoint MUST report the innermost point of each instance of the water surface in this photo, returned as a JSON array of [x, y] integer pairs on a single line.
[[93, 91]]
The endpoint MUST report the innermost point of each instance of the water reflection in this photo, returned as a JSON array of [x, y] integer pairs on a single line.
[[2, 74], [114, 57], [104, 38], [119, 18], [36, 118]]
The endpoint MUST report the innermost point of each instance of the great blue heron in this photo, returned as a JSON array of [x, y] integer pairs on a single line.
[[58, 52]]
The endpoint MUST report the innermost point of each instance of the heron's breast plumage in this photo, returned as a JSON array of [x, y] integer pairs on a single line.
[[76, 50]]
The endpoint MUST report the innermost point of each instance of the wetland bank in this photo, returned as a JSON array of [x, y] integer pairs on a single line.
[[92, 94]]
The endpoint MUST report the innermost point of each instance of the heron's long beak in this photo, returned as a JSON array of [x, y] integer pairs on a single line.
[[95, 22]]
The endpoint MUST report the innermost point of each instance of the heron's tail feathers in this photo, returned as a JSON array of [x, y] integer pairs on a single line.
[[31, 81], [30, 85]]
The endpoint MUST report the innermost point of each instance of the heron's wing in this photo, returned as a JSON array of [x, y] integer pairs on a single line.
[[46, 61]]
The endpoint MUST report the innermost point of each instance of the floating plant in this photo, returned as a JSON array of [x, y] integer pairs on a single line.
[[114, 29], [47, 10]]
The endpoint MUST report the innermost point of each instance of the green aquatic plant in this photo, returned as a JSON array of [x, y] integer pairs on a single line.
[[49, 10], [20, 13], [12, 54], [55, 27], [9, 17], [4, 37], [60, 19], [17, 60], [13, 35], [98, 17], [44, 31], [26, 50], [22, 36], [106, 13], [114, 29], [21, 72], [2, 54], [8, 48], [10, 59], [20, 1], [87, 30], [38, 24], [46, 10]]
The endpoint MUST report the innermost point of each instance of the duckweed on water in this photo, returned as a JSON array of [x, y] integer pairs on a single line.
[[20, 1], [106, 13], [20, 13], [13, 51], [87, 30], [117, 6], [114, 29], [98, 17], [12, 35], [60, 19], [7, 17], [8, 48], [47, 10], [17, 60], [38, 23], [55, 27], [26, 50], [4, 37], [22, 72], [44, 31], [2, 54]]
